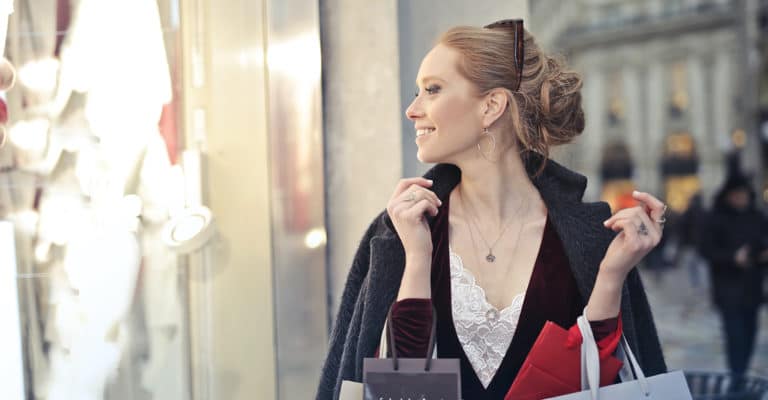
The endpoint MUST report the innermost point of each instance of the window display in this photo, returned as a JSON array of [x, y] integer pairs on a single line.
[[87, 178]]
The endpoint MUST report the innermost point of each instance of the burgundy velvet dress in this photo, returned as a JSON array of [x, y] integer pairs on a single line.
[[552, 295]]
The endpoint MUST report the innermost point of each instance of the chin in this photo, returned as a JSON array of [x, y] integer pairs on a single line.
[[423, 157], [427, 158]]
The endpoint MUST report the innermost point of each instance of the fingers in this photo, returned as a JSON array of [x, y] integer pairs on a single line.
[[626, 228], [635, 218], [413, 190], [634, 241], [416, 193], [624, 213], [655, 206], [403, 207], [412, 198], [415, 213], [406, 183], [650, 206]]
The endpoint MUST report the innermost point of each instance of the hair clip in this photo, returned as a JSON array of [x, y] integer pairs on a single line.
[[504, 23], [517, 24]]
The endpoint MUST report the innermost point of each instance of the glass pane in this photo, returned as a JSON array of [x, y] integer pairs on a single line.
[[87, 181]]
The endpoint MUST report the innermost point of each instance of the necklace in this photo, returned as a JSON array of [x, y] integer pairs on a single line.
[[490, 257], [493, 313]]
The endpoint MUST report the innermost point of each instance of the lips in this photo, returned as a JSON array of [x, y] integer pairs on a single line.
[[424, 131]]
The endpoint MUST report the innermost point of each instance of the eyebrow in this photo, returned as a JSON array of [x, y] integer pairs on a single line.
[[427, 78]]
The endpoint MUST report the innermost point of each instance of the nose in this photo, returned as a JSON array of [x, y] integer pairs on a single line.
[[414, 110]]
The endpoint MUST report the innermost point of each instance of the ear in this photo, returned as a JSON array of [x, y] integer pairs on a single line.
[[494, 106]]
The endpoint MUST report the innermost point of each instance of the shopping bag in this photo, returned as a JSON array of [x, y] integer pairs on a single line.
[[351, 390], [634, 386], [411, 378], [552, 368]]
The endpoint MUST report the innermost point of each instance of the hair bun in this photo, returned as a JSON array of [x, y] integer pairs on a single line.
[[545, 106], [562, 117]]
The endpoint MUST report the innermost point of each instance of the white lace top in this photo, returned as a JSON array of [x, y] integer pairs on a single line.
[[484, 332]]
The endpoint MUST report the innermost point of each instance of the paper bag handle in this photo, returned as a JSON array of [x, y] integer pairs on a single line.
[[430, 347], [590, 361], [590, 357]]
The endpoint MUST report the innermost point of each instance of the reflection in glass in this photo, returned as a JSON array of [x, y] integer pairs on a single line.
[[298, 223], [88, 180]]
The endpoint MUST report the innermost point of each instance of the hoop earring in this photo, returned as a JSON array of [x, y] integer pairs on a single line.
[[493, 145]]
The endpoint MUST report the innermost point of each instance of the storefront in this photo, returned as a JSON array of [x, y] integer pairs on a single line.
[[161, 188]]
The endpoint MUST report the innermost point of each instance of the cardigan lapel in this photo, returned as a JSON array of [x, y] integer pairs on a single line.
[[578, 224], [387, 265]]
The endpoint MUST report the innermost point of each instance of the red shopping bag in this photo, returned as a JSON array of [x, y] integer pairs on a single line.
[[553, 366]]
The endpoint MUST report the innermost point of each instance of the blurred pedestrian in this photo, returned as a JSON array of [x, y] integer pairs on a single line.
[[689, 231], [734, 243]]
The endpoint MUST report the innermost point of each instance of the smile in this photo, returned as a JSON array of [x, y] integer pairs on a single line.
[[422, 132]]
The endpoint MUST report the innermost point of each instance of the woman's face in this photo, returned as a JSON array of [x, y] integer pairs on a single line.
[[447, 111]]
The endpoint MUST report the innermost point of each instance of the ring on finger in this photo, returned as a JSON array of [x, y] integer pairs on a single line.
[[642, 229], [411, 197]]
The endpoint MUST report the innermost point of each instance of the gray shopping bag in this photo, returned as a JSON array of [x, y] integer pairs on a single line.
[[411, 378], [634, 386]]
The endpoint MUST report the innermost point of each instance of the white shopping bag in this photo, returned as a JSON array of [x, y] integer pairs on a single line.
[[351, 390]]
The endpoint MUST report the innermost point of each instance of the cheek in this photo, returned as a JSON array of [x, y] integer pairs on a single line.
[[452, 114]]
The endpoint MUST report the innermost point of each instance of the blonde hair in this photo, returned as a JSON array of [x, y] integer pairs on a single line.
[[546, 109]]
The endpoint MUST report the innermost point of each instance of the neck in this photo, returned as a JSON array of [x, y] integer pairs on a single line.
[[498, 190]]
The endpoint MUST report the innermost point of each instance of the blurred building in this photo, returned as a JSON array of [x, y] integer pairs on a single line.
[[762, 52], [673, 81]]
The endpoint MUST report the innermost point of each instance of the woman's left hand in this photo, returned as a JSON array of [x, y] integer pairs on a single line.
[[640, 229]]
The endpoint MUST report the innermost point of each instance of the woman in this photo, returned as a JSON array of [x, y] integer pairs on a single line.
[[516, 247]]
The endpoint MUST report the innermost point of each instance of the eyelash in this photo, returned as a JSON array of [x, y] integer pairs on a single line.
[[433, 89]]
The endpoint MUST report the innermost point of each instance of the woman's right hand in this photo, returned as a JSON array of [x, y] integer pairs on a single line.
[[407, 206]]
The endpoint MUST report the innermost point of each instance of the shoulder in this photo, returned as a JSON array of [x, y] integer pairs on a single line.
[[378, 228], [586, 217]]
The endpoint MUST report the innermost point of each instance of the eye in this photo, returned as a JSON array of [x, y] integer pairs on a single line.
[[432, 89]]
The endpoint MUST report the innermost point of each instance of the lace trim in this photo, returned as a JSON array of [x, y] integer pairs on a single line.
[[484, 332]]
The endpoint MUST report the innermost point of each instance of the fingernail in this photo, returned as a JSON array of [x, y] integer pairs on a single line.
[[635, 192], [439, 202], [430, 181]]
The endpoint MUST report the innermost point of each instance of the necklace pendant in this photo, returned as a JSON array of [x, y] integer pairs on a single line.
[[490, 257], [492, 315]]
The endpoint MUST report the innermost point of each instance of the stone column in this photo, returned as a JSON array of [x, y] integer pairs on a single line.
[[655, 109], [361, 96], [645, 161], [697, 105], [700, 127], [594, 103], [722, 99]]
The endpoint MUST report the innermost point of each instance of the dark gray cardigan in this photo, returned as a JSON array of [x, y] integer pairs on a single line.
[[374, 278]]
